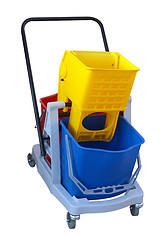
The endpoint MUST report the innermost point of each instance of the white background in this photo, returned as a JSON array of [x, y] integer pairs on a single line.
[[133, 28]]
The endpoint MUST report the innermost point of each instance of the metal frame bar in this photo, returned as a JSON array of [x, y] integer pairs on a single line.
[[41, 19]]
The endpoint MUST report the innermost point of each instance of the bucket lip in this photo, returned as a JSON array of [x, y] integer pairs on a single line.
[[72, 52], [104, 150]]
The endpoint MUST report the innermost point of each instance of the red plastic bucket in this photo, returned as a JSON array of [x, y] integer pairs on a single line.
[[44, 101]]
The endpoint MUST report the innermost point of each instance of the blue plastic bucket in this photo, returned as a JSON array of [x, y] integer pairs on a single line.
[[100, 163]]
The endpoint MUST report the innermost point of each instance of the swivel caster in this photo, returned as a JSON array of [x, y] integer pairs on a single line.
[[31, 161], [71, 220], [134, 209]]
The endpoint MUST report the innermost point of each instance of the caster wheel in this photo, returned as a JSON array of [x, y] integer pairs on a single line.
[[134, 209], [31, 161], [71, 220]]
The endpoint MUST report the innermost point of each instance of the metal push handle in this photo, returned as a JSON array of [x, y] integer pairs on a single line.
[[41, 19]]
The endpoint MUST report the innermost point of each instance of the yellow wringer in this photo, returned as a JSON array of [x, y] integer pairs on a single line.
[[95, 82]]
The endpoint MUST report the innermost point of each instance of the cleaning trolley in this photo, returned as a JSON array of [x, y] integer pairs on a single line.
[[87, 147]]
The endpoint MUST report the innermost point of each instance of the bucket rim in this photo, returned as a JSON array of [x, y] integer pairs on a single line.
[[142, 140]]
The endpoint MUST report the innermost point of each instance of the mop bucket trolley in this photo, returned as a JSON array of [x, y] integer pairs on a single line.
[[79, 167]]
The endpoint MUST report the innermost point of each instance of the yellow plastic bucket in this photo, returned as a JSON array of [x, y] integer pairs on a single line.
[[95, 82]]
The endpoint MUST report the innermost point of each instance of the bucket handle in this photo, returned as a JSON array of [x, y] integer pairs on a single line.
[[100, 190]]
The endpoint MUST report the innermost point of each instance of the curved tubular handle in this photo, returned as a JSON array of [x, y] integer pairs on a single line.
[[41, 19]]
